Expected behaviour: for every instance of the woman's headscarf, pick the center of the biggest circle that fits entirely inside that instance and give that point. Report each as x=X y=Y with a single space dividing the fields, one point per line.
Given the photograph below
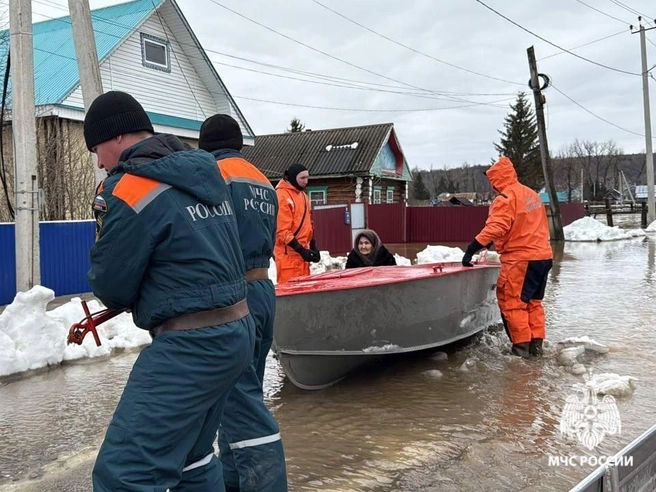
x=368 y=260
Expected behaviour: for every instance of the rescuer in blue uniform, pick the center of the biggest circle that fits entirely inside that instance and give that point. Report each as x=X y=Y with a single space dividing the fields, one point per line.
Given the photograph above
x=168 y=249
x=249 y=438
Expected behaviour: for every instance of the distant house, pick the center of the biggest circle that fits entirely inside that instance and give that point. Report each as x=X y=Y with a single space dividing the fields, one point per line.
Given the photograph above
x=146 y=48
x=562 y=196
x=347 y=165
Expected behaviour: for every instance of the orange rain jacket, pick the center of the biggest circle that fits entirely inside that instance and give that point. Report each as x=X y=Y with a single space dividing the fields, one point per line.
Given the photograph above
x=294 y=221
x=517 y=223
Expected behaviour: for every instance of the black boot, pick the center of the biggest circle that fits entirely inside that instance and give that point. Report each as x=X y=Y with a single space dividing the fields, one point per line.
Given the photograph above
x=535 y=348
x=521 y=349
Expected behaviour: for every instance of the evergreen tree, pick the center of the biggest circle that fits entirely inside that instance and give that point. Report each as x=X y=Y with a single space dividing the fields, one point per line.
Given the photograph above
x=519 y=142
x=296 y=125
x=419 y=189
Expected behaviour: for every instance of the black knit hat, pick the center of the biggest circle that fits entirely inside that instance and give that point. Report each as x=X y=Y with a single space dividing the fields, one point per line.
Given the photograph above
x=292 y=173
x=112 y=114
x=220 y=131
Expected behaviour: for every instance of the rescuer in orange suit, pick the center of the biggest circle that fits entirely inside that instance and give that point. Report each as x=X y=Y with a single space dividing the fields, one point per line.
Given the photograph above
x=295 y=245
x=517 y=225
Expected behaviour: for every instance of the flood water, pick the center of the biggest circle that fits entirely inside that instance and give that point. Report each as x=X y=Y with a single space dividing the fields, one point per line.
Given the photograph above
x=395 y=426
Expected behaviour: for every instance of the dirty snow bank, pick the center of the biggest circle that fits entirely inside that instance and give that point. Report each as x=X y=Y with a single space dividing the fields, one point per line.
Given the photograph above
x=33 y=338
x=589 y=229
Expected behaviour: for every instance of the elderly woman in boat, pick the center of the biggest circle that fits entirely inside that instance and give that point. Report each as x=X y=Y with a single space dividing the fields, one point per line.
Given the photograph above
x=368 y=250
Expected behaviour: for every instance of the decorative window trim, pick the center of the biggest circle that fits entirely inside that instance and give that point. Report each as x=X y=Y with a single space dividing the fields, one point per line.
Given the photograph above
x=159 y=41
x=390 y=191
x=318 y=189
x=377 y=200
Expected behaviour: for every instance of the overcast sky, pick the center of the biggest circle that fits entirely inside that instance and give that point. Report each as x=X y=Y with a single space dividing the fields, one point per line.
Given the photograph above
x=458 y=32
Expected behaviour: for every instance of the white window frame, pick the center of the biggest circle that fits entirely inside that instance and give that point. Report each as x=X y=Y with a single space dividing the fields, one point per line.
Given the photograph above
x=389 y=196
x=378 y=196
x=147 y=38
x=318 y=201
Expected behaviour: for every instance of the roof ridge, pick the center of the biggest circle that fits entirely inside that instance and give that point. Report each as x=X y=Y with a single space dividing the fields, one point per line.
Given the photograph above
x=325 y=130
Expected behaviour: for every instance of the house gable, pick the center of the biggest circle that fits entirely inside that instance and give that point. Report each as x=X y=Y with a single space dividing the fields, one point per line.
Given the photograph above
x=189 y=91
x=390 y=162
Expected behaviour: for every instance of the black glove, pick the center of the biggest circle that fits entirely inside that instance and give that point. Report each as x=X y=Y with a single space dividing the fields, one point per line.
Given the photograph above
x=313 y=245
x=307 y=254
x=310 y=256
x=472 y=249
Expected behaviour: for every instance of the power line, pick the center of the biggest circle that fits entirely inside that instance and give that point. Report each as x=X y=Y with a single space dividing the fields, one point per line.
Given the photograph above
x=602 y=12
x=423 y=96
x=630 y=9
x=623 y=31
x=338 y=85
x=595 y=115
x=554 y=44
x=414 y=110
x=323 y=52
x=277 y=67
x=410 y=48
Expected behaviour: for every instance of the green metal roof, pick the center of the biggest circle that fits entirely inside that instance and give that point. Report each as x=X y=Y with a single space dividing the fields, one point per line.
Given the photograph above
x=55 y=66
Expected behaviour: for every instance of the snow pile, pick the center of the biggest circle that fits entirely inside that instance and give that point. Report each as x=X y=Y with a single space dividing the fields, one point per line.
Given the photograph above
x=446 y=254
x=651 y=227
x=402 y=260
x=328 y=263
x=611 y=384
x=31 y=338
x=439 y=254
x=586 y=342
x=589 y=229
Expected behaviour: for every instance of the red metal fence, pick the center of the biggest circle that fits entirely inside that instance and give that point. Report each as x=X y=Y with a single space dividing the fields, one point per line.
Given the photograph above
x=389 y=221
x=570 y=212
x=331 y=232
x=396 y=223
x=445 y=224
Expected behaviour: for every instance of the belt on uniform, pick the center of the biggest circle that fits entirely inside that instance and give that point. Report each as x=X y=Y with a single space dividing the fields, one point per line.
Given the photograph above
x=203 y=319
x=257 y=274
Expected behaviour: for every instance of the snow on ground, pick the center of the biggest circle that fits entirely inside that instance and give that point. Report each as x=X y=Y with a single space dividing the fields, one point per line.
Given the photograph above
x=589 y=229
x=32 y=338
x=651 y=227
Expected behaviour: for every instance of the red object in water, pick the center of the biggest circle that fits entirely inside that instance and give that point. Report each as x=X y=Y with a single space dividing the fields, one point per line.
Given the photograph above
x=88 y=324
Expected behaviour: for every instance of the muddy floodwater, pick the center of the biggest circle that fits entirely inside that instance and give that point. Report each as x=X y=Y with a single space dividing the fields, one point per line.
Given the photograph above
x=412 y=424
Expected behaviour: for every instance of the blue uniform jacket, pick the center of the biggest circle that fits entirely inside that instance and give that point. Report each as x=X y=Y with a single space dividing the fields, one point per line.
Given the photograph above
x=168 y=242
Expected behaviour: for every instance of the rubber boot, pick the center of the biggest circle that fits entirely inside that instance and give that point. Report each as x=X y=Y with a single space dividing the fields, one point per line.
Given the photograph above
x=535 y=347
x=521 y=349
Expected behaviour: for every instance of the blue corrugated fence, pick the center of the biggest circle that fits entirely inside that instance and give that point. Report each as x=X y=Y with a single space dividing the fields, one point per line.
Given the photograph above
x=64 y=257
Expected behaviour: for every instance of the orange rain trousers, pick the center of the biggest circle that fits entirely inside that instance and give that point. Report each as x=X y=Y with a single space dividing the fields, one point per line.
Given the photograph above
x=520 y=290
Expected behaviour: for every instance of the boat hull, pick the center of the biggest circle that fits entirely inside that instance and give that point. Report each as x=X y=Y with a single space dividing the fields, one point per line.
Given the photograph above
x=321 y=336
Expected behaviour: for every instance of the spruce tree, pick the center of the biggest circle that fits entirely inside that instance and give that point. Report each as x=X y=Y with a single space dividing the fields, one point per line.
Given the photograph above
x=419 y=189
x=296 y=125
x=519 y=142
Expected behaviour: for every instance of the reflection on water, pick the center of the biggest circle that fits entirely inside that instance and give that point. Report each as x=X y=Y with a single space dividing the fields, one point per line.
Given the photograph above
x=400 y=425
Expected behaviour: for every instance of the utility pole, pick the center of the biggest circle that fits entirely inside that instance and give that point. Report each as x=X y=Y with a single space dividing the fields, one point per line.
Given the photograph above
x=87 y=61
x=26 y=183
x=539 y=99
x=651 y=212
